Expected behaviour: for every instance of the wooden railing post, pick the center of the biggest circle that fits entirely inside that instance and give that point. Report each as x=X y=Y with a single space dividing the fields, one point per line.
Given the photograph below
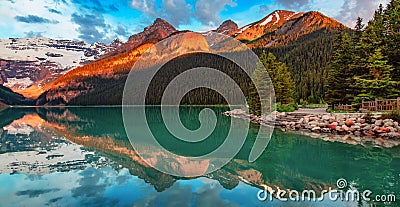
x=376 y=105
x=387 y=105
x=398 y=103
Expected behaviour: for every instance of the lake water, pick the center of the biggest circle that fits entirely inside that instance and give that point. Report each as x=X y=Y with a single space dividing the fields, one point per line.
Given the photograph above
x=82 y=157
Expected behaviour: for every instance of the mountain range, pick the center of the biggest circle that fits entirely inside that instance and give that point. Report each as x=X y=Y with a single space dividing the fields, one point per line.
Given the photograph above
x=29 y=63
x=75 y=73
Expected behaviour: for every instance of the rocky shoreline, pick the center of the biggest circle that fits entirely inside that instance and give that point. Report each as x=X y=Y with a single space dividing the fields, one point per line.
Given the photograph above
x=346 y=128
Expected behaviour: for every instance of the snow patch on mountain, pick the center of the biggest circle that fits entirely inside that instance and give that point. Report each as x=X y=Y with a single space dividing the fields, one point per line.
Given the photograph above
x=244 y=29
x=20 y=83
x=266 y=21
x=277 y=18
x=30 y=61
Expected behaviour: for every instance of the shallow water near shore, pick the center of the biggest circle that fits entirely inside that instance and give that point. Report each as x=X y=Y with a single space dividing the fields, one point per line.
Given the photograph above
x=82 y=157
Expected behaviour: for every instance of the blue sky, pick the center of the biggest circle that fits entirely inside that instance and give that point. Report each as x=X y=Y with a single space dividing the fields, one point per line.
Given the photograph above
x=103 y=21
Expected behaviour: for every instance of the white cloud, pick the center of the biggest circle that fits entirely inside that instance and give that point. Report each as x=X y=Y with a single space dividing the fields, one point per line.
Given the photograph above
x=295 y=4
x=65 y=28
x=60 y=14
x=176 y=12
x=345 y=11
x=351 y=9
x=207 y=12
x=148 y=7
x=179 y=12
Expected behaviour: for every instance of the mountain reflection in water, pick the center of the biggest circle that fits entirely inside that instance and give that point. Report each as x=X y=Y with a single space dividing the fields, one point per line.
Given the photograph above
x=82 y=156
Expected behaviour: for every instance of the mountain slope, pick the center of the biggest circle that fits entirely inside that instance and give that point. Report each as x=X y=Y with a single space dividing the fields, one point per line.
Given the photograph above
x=159 y=30
x=307 y=58
x=102 y=82
x=29 y=63
x=282 y=27
x=227 y=27
x=298 y=26
x=8 y=97
x=98 y=77
x=268 y=24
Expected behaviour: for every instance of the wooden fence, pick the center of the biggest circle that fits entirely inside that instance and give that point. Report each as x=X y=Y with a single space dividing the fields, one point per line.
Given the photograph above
x=377 y=105
x=381 y=105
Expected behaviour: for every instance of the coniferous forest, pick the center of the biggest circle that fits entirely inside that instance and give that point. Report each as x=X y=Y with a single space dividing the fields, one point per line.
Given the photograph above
x=307 y=60
x=365 y=63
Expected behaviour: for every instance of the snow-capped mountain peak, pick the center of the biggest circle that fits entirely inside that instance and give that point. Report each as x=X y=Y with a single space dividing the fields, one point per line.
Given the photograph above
x=26 y=62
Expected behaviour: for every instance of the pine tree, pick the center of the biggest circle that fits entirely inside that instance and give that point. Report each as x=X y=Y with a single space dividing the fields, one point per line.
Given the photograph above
x=339 y=78
x=280 y=78
x=357 y=66
x=253 y=100
x=358 y=30
x=378 y=82
x=392 y=23
x=260 y=92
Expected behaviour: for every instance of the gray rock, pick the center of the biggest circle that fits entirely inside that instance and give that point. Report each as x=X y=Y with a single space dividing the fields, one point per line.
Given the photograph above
x=392 y=129
x=389 y=124
x=367 y=128
x=326 y=130
x=387 y=120
x=345 y=128
x=326 y=117
x=322 y=125
x=316 y=129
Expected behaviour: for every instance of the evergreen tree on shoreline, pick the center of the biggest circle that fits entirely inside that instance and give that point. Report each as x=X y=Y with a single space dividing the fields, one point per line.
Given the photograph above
x=366 y=65
x=282 y=84
x=338 y=84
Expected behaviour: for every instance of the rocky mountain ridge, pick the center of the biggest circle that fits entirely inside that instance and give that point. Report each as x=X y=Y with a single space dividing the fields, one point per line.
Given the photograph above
x=33 y=62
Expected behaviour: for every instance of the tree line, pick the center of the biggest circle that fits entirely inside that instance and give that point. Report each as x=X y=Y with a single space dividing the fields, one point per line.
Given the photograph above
x=365 y=62
x=307 y=59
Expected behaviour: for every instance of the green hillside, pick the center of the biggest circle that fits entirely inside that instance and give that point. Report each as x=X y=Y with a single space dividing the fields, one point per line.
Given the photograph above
x=8 y=97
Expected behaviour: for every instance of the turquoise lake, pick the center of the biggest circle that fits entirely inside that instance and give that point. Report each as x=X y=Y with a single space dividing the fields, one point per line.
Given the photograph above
x=81 y=156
